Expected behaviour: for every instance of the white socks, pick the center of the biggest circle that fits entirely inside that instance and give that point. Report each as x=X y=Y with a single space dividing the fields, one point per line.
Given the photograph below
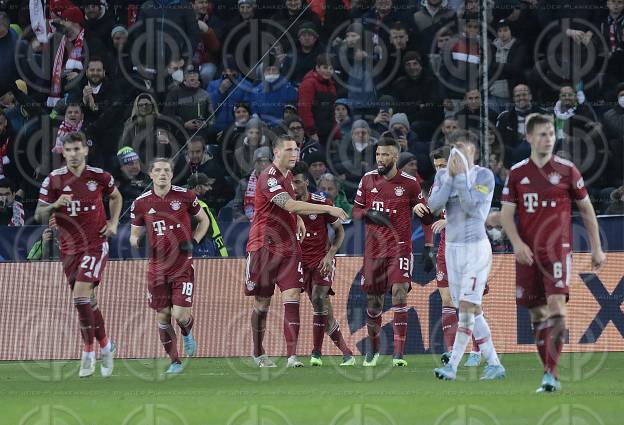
x=483 y=337
x=464 y=334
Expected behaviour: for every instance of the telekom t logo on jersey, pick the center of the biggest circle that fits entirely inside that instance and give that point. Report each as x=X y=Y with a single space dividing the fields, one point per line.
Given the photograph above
x=530 y=202
x=378 y=206
x=159 y=227
x=73 y=208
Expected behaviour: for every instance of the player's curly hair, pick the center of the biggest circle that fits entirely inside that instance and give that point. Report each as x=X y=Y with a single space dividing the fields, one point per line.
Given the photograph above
x=300 y=168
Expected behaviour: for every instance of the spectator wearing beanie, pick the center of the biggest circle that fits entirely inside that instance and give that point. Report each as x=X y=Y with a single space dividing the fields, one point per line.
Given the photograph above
x=416 y=94
x=271 y=95
x=294 y=12
x=243 y=154
x=342 y=116
x=241 y=112
x=303 y=59
x=317 y=166
x=131 y=180
x=409 y=164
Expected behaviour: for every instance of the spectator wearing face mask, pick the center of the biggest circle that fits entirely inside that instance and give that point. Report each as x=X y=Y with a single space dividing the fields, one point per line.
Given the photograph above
x=190 y=105
x=271 y=95
x=11 y=207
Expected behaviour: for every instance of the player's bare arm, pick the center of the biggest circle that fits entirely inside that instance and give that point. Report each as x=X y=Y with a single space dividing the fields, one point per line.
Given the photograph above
x=301 y=229
x=326 y=264
x=285 y=201
x=203 y=223
x=522 y=251
x=135 y=235
x=43 y=210
x=588 y=215
x=115 y=202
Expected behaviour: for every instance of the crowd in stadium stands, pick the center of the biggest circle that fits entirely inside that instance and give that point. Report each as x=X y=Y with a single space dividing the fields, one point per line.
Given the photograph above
x=177 y=78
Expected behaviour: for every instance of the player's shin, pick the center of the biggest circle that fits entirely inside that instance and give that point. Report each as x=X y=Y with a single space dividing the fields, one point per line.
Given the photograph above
x=483 y=337
x=333 y=330
x=258 y=326
x=541 y=335
x=100 y=328
x=462 y=338
x=87 y=326
x=291 y=326
x=186 y=326
x=319 y=322
x=373 y=324
x=399 y=326
x=168 y=340
x=555 y=342
x=449 y=326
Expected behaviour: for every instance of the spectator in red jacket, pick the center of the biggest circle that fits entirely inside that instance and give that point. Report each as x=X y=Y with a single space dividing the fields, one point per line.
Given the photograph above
x=317 y=94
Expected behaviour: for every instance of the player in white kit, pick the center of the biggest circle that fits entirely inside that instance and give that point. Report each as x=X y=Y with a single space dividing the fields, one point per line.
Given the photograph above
x=466 y=191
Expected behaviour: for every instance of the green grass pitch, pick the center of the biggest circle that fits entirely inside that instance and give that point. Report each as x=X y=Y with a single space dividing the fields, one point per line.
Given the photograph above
x=231 y=392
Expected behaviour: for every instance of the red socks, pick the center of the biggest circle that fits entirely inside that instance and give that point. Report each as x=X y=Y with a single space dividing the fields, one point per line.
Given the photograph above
x=449 y=326
x=291 y=326
x=336 y=337
x=541 y=334
x=85 y=316
x=99 y=328
x=185 y=328
x=258 y=325
x=555 y=343
x=319 y=322
x=373 y=323
x=399 y=326
x=168 y=340
x=475 y=346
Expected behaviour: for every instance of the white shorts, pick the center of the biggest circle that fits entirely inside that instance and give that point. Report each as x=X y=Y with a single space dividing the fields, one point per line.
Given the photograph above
x=468 y=266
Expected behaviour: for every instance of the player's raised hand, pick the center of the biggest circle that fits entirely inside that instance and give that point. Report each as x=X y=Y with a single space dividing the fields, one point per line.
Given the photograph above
x=338 y=213
x=599 y=258
x=109 y=229
x=326 y=265
x=62 y=201
x=523 y=253
x=438 y=226
x=455 y=166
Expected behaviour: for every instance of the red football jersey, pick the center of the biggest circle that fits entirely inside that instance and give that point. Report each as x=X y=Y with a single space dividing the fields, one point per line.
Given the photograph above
x=80 y=222
x=397 y=197
x=168 y=222
x=273 y=227
x=316 y=242
x=543 y=198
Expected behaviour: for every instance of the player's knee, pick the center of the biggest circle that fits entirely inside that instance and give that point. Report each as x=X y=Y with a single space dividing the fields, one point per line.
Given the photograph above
x=445 y=295
x=262 y=303
x=332 y=324
x=181 y=314
x=375 y=304
x=164 y=316
x=467 y=307
x=557 y=305
x=539 y=314
x=466 y=319
x=291 y=295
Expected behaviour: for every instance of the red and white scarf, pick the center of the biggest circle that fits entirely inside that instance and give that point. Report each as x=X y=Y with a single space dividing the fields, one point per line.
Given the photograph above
x=250 y=196
x=73 y=62
x=64 y=129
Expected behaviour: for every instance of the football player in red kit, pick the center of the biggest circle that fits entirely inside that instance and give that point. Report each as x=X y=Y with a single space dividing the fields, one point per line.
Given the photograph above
x=273 y=252
x=386 y=199
x=165 y=213
x=541 y=189
x=73 y=194
x=317 y=257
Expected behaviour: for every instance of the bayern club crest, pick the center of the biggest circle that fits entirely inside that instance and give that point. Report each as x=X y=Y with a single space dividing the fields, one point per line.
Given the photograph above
x=92 y=185
x=399 y=191
x=440 y=276
x=313 y=216
x=272 y=182
x=175 y=205
x=554 y=178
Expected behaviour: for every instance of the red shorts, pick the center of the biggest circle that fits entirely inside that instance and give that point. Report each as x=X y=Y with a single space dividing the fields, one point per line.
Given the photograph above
x=381 y=273
x=264 y=270
x=312 y=276
x=86 y=266
x=545 y=277
x=168 y=290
